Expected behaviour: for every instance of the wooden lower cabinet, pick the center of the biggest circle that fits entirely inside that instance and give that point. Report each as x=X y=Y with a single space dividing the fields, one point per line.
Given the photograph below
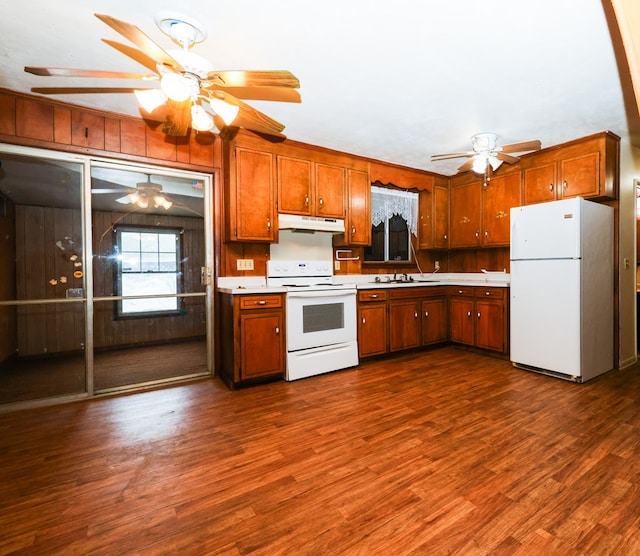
x=478 y=317
x=434 y=321
x=404 y=324
x=372 y=322
x=252 y=338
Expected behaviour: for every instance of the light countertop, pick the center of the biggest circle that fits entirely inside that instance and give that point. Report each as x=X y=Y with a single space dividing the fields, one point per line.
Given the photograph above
x=242 y=285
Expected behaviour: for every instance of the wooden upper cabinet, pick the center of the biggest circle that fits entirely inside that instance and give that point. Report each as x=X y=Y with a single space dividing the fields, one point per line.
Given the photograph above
x=310 y=188
x=358 y=223
x=330 y=195
x=87 y=129
x=466 y=211
x=251 y=196
x=433 y=220
x=500 y=194
x=585 y=167
x=295 y=177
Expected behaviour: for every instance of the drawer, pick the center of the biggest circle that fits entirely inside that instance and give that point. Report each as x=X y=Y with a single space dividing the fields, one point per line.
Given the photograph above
x=490 y=293
x=372 y=295
x=260 y=301
x=461 y=291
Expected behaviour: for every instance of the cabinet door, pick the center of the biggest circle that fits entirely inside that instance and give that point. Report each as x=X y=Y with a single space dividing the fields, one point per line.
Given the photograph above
x=404 y=325
x=580 y=176
x=441 y=217
x=358 y=226
x=425 y=219
x=490 y=325
x=539 y=184
x=465 y=215
x=462 y=320
x=434 y=321
x=500 y=194
x=372 y=329
x=254 y=196
x=262 y=344
x=330 y=191
x=294 y=185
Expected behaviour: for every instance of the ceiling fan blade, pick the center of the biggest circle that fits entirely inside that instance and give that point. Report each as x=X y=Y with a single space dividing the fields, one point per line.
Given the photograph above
x=134 y=54
x=278 y=94
x=137 y=37
x=250 y=118
x=248 y=78
x=450 y=155
x=85 y=90
x=466 y=166
x=534 y=145
x=72 y=72
x=178 y=117
x=507 y=158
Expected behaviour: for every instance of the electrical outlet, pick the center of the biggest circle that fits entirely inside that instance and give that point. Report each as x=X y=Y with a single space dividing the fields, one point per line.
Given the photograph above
x=336 y=265
x=244 y=264
x=437 y=265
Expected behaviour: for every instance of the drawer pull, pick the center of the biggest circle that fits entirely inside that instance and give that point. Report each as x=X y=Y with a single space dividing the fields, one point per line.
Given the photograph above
x=261 y=302
x=373 y=296
x=487 y=293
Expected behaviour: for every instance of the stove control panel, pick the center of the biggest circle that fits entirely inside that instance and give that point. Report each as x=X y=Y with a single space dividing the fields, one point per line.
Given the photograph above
x=295 y=269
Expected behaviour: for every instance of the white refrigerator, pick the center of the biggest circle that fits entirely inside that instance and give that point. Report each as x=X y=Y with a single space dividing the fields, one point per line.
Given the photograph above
x=561 y=291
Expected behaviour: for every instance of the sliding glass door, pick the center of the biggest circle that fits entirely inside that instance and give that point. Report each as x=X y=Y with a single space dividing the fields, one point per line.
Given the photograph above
x=101 y=276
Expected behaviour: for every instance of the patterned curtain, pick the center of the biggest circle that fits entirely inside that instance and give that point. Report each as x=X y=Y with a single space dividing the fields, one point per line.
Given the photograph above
x=387 y=202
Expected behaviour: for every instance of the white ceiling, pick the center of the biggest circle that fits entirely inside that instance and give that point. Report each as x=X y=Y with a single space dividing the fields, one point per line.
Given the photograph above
x=397 y=81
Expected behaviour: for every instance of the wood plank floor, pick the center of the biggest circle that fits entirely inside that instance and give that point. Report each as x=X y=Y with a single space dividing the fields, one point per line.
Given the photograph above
x=443 y=452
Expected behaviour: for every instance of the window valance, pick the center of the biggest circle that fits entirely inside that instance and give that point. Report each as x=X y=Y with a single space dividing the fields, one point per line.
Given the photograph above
x=385 y=203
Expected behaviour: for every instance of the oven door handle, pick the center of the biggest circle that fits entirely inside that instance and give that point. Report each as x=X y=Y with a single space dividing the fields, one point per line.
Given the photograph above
x=322 y=293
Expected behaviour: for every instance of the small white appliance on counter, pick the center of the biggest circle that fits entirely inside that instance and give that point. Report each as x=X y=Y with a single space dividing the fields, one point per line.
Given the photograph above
x=321 y=324
x=562 y=288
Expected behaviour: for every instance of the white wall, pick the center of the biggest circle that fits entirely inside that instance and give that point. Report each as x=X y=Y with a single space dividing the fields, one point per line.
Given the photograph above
x=629 y=172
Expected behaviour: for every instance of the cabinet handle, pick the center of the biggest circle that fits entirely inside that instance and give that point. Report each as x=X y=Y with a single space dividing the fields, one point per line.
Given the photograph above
x=321 y=202
x=486 y=233
x=444 y=237
x=306 y=200
x=478 y=314
x=415 y=315
x=564 y=184
x=261 y=302
x=353 y=230
x=277 y=330
x=426 y=314
x=487 y=293
x=268 y=223
x=373 y=296
x=477 y=235
x=550 y=187
x=460 y=292
x=469 y=314
x=364 y=321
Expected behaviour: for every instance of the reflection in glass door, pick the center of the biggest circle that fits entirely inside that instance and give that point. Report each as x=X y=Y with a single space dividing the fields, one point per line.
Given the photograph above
x=100 y=276
x=42 y=301
x=149 y=304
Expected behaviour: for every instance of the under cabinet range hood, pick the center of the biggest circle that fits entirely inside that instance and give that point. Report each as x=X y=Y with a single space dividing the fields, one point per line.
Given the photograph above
x=310 y=224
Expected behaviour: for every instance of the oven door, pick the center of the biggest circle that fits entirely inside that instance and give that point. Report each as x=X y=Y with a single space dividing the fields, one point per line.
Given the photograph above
x=320 y=318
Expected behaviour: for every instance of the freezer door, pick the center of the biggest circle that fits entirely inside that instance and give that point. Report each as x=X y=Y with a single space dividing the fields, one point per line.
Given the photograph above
x=545 y=315
x=546 y=231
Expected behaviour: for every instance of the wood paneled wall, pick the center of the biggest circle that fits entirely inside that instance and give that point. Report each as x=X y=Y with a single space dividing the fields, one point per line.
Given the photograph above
x=39 y=260
x=8 y=342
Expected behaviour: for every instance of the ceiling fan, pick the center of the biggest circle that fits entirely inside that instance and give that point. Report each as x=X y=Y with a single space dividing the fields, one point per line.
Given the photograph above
x=486 y=155
x=192 y=91
x=146 y=194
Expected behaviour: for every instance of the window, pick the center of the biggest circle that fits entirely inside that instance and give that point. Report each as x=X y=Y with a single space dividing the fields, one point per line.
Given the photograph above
x=148 y=264
x=394 y=217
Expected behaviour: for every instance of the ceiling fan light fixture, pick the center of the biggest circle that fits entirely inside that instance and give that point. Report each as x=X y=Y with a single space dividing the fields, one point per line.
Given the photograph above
x=162 y=201
x=226 y=111
x=200 y=120
x=176 y=87
x=479 y=164
x=150 y=99
x=495 y=162
x=182 y=29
